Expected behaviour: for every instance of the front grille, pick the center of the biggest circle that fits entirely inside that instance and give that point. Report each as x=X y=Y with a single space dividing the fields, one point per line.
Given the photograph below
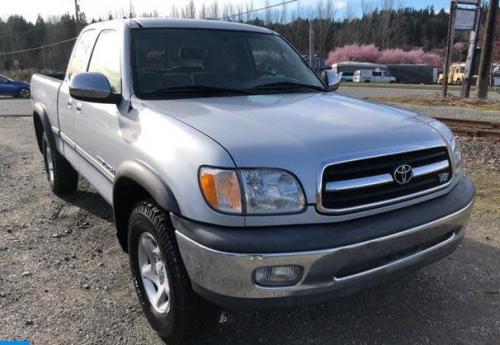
x=370 y=182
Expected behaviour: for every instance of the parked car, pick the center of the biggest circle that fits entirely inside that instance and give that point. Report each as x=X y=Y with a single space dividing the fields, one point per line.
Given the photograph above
x=347 y=68
x=372 y=76
x=346 y=76
x=9 y=87
x=237 y=177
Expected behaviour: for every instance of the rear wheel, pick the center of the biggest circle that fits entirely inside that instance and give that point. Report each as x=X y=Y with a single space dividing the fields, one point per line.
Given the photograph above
x=173 y=310
x=63 y=179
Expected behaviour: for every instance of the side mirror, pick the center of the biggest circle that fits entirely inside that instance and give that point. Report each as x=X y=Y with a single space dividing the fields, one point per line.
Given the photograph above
x=331 y=78
x=92 y=87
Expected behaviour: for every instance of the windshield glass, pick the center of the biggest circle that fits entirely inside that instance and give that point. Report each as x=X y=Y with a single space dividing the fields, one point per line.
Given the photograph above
x=177 y=63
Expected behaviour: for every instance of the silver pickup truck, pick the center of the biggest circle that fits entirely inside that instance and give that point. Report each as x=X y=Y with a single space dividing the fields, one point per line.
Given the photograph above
x=237 y=176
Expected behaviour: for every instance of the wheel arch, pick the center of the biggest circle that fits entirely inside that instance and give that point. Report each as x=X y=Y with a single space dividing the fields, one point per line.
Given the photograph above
x=135 y=181
x=42 y=124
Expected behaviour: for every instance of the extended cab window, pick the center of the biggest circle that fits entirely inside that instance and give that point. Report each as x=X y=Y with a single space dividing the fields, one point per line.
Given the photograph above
x=106 y=58
x=179 y=63
x=81 y=53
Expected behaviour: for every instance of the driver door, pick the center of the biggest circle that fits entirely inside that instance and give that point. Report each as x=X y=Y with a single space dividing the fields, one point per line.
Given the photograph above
x=97 y=128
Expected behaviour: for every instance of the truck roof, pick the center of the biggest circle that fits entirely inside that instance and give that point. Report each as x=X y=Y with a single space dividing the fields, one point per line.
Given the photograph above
x=182 y=23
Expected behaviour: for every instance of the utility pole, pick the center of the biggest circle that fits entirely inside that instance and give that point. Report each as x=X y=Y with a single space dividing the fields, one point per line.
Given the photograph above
x=311 y=44
x=77 y=17
x=11 y=46
x=471 y=56
x=449 y=46
x=483 y=78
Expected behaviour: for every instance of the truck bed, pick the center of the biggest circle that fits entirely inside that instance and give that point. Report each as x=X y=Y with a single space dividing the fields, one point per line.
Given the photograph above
x=45 y=93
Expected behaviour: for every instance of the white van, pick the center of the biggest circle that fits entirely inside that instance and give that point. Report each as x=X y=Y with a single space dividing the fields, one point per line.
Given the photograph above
x=371 y=76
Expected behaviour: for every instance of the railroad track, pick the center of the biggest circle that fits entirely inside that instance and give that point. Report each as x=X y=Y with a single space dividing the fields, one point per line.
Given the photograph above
x=480 y=130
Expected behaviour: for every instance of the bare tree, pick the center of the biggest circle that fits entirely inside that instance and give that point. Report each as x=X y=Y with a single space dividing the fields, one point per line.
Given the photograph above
x=214 y=10
x=350 y=12
x=189 y=11
x=267 y=13
x=325 y=17
x=203 y=11
x=248 y=10
x=174 y=12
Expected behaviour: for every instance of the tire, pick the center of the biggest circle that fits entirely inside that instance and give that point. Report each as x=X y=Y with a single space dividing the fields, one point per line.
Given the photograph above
x=63 y=179
x=179 y=313
x=23 y=93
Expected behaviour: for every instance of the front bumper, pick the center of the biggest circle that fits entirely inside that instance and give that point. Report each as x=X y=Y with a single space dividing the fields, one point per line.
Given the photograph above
x=225 y=276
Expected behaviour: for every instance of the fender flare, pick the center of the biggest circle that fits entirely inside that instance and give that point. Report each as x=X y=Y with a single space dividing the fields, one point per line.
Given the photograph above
x=144 y=176
x=40 y=113
x=129 y=175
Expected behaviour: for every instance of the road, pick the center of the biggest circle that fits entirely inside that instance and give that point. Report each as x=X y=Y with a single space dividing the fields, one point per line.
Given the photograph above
x=14 y=106
x=64 y=279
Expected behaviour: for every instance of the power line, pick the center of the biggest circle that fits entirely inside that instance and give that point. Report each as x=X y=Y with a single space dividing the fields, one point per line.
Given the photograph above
x=37 y=48
x=258 y=9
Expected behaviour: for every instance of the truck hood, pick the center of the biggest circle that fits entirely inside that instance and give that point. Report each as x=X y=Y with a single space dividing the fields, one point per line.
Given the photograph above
x=300 y=132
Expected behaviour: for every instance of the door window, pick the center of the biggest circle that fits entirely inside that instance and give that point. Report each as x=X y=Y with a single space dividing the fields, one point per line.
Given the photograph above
x=106 y=59
x=81 y=53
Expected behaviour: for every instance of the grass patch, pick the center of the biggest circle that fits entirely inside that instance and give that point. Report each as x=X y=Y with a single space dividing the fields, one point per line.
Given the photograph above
x=488 y=191
x=432 y=87
x=434 y=101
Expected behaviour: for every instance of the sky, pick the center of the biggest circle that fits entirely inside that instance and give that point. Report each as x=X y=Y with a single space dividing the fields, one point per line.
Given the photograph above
x=101 y=8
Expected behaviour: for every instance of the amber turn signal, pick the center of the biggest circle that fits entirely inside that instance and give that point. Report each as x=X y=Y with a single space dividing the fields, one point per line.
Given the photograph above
x=221 y=189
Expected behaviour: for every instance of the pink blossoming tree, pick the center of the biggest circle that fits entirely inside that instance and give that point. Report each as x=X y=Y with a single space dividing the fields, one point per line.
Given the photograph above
x=370 y=53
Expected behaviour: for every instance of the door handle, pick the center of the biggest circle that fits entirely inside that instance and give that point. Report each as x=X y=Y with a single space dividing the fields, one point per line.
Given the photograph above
x=78 y=107
x=69 y=103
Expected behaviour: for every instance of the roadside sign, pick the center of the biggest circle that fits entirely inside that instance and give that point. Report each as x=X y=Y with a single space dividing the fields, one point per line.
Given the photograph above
x=468 y=2
x=465 y=19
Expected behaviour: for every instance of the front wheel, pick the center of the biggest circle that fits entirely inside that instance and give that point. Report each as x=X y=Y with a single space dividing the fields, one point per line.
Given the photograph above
x=173 y=310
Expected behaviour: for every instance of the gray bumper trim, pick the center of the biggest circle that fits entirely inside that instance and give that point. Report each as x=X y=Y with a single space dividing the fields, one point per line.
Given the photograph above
x=230 y=274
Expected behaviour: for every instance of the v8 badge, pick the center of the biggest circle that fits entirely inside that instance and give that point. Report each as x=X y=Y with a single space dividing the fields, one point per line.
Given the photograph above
x=443 y=177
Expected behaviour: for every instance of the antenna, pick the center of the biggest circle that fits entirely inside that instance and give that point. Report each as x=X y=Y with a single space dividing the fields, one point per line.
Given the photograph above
x=130 y=9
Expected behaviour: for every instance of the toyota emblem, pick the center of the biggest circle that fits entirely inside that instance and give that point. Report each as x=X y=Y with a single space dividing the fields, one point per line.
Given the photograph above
x=403 y=174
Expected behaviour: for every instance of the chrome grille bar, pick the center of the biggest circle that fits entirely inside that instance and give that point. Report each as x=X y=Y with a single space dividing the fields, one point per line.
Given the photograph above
x=430 y=168
x=376 y=180
x=362 y=182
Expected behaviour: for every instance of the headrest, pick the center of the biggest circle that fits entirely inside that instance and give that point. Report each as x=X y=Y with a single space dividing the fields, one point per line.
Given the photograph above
x=191 y=53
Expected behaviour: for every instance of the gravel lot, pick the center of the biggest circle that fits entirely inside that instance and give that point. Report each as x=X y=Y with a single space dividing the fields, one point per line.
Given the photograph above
x=64 y=279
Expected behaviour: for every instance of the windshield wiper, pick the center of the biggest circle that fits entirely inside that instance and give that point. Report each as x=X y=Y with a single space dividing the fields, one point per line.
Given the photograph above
x=197 y=89
x=288 y=85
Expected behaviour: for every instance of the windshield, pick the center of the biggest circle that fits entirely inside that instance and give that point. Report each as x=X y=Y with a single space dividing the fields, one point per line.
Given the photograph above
x=178 y=63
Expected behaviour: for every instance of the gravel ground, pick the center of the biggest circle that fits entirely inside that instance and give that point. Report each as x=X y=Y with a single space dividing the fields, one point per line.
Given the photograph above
x=64 y=279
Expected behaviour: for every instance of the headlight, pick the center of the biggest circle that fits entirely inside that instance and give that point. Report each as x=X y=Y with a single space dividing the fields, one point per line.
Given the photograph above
x=264 y=191
x=271 y=191
x=456 y=150
x=451 y=140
